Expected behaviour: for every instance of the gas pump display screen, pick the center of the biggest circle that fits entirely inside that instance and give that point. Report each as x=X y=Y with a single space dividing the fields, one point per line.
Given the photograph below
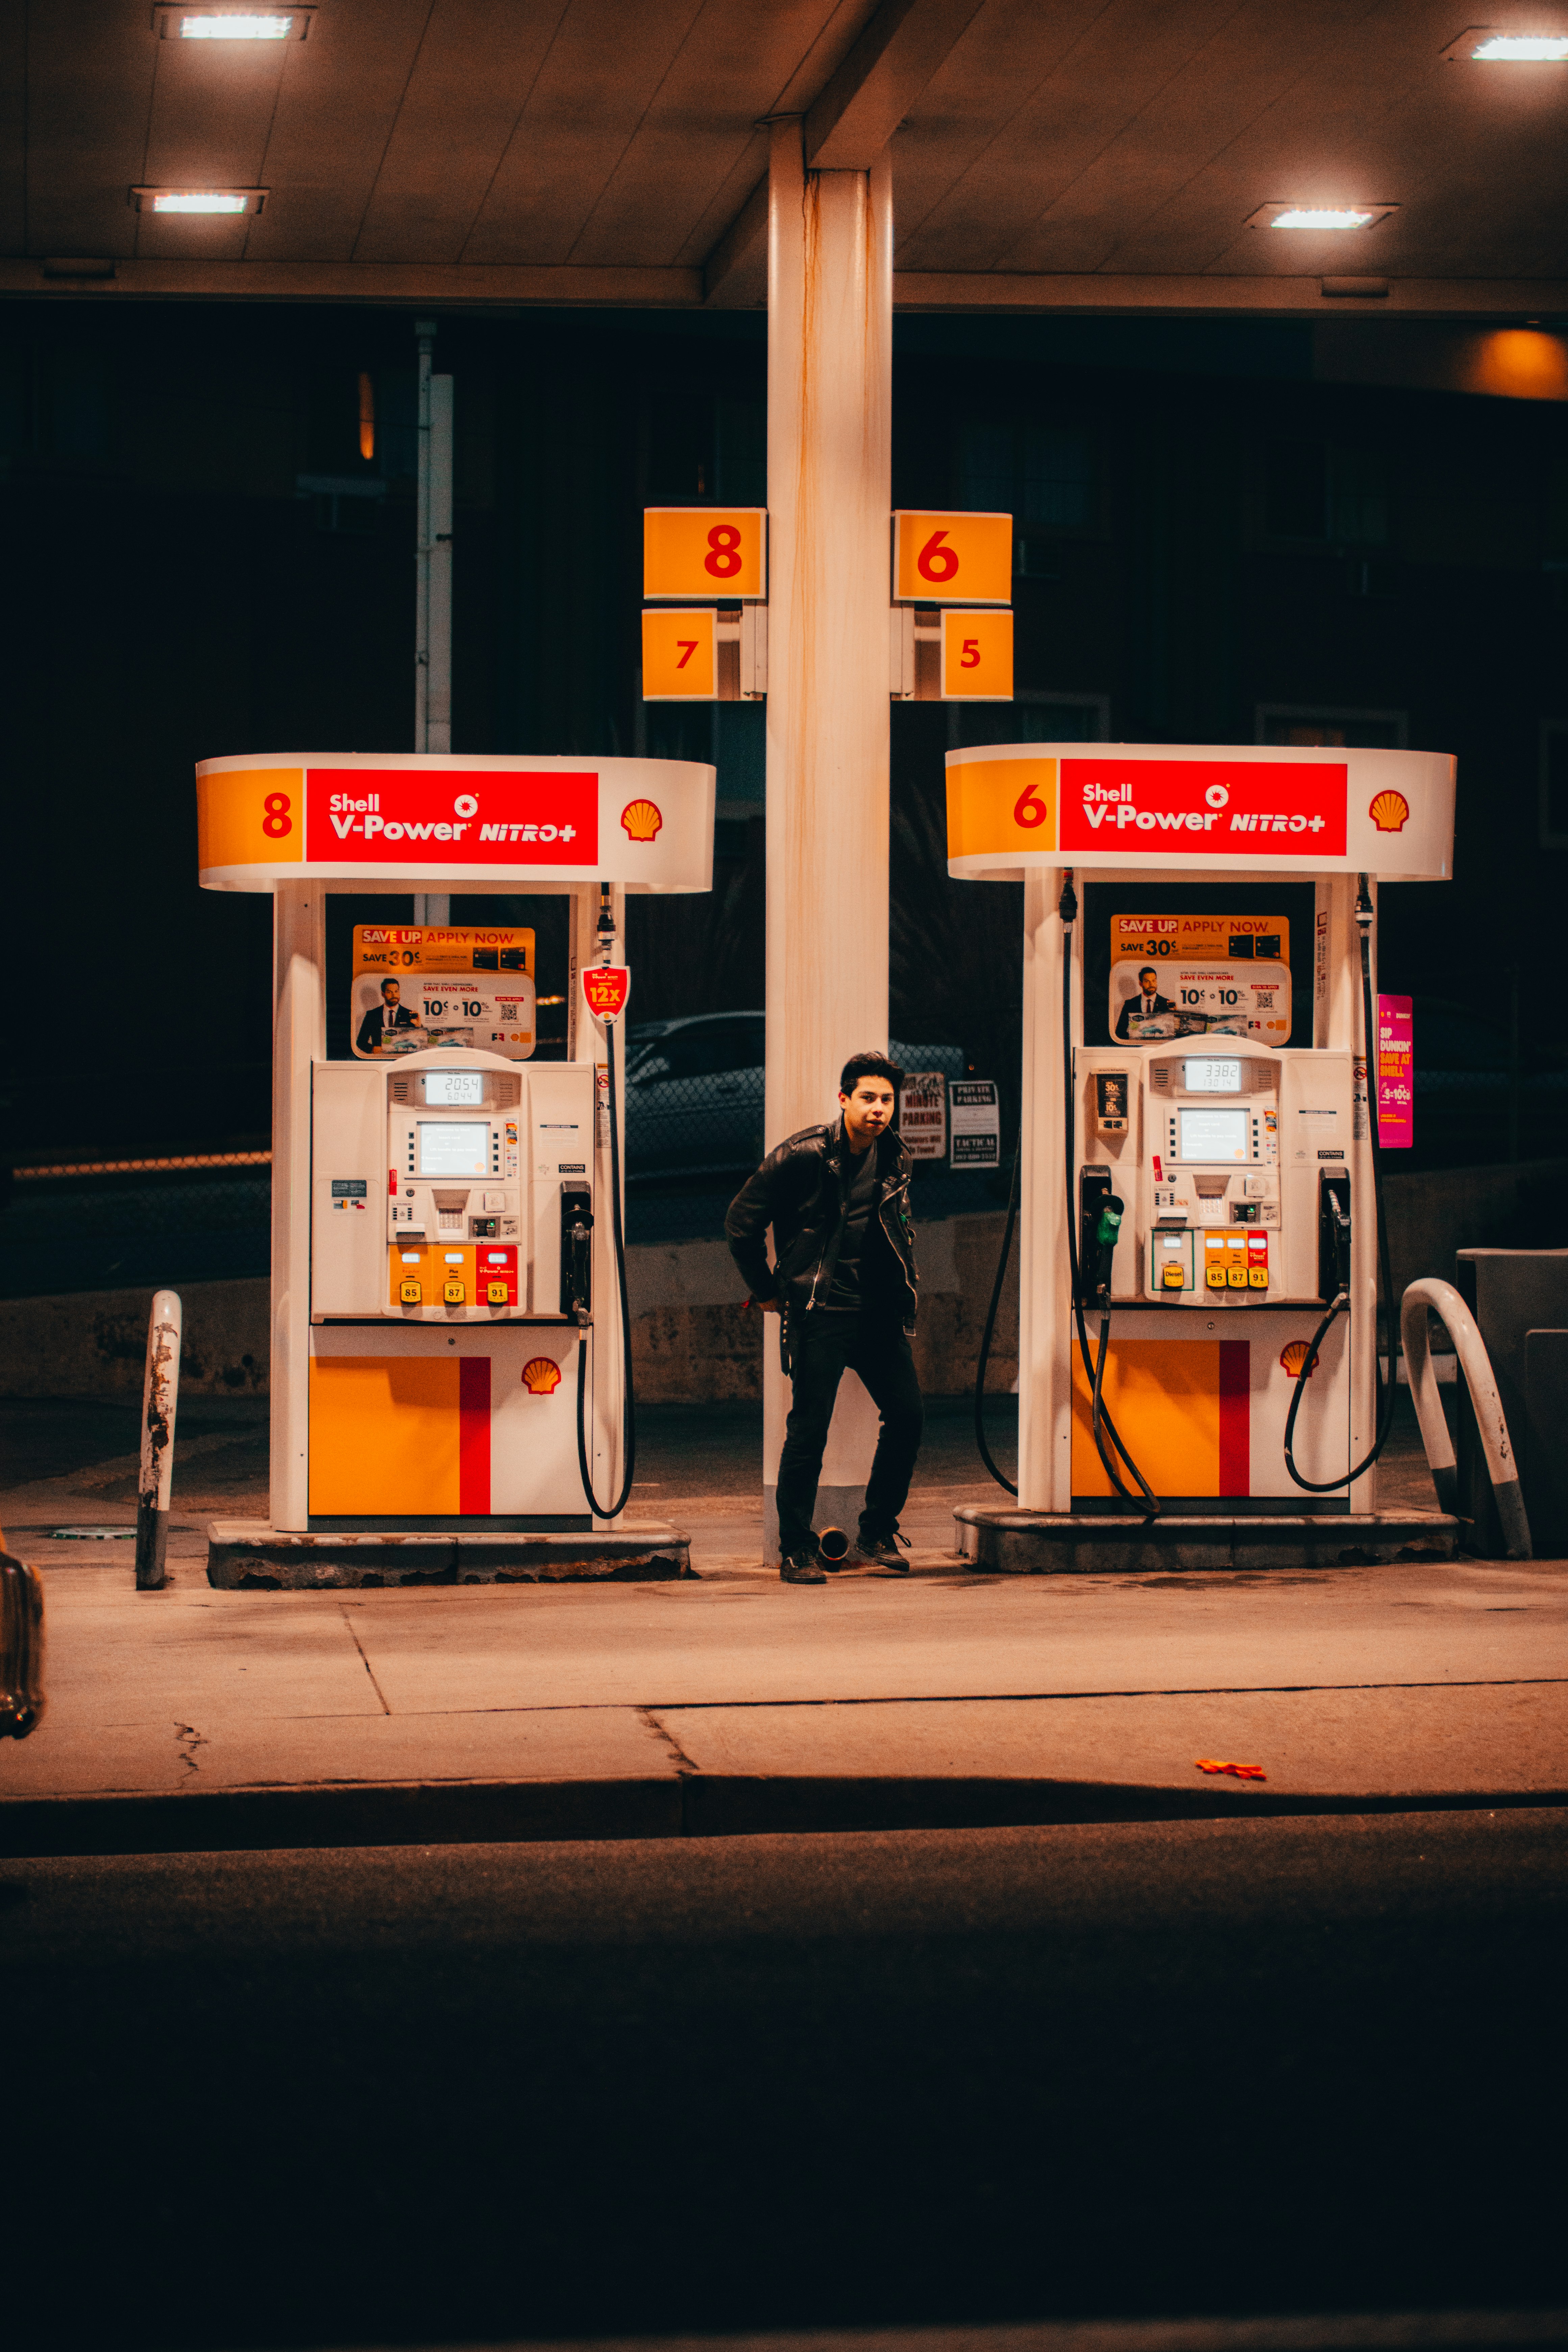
x=1213 y=1134
x=454 y=1147
x=454 y=1086
x=1212 y=1077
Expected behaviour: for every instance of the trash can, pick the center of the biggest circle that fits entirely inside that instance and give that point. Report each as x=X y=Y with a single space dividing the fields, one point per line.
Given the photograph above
x=1519 y=1300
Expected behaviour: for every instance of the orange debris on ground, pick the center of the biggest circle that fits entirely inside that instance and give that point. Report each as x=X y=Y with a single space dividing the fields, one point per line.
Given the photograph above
x=1236 y=1771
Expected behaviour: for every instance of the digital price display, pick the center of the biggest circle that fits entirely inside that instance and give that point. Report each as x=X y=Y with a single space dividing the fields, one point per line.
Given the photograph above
x=1212 y=1077
x=455 y=1087
x=454 y=1147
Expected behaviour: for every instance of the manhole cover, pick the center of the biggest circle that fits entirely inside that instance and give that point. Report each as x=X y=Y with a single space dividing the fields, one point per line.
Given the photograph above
x=92 y=1535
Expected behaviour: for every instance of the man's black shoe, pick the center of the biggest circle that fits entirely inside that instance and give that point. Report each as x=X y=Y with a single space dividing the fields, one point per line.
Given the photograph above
x=880 y=1551
x=800 y=1567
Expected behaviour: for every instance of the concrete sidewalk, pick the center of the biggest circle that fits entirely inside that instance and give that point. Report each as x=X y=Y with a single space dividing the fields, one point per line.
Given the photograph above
x=194 y=1718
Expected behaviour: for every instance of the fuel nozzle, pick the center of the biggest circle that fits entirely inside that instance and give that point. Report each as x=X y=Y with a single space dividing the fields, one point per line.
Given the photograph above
x=1107 y=1231
x=1100 y=1213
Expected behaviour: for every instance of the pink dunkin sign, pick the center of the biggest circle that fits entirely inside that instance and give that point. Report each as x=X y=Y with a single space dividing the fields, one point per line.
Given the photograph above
x=1395 y=1074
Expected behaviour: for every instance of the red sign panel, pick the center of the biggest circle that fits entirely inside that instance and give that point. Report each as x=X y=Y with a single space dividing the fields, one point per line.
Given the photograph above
x=476 y=816
x=606 y=987
x=1203 y=808
x=1395 y=1074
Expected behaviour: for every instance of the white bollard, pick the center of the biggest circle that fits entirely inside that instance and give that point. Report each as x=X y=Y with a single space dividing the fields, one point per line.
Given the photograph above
x=160 y=1397
x=1502 y=1462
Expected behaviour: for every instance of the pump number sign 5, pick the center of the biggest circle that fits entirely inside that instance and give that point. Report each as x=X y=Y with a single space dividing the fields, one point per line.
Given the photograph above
x=977 y=656
x=715 y=554
x=952 y=559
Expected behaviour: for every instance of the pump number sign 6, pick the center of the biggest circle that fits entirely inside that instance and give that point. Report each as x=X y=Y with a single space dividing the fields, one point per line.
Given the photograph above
x=952 y=559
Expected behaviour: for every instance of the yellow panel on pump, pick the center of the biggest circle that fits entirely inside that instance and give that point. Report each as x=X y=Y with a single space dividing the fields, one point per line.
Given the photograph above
x=385 y=1435
x=1182 y=1407
x=995 y=806
x=249 y=816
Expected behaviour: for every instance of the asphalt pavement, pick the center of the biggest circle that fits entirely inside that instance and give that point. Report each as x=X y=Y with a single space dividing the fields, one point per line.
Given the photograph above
x=495 y=2092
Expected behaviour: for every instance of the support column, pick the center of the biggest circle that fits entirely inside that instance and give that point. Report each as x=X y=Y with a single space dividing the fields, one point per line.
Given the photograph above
x=299 y=1039
x=1044 y=1318
x=830 y=252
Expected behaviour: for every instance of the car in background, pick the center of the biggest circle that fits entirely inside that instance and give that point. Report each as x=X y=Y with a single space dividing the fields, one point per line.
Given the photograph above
x=694 y=1092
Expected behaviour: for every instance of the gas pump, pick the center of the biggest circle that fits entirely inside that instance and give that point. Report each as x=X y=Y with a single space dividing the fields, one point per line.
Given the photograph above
x=1199 y=1148
x=451 y=1333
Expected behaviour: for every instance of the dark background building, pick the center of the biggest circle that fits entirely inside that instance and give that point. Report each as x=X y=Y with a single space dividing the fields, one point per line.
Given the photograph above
x=209 y=514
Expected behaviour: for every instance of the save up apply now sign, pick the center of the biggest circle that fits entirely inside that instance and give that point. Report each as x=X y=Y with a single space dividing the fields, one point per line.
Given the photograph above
x=1012 y=807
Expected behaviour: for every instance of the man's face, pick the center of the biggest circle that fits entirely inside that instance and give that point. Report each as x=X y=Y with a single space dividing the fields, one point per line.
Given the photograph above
x=1148 y=981
x=867 y=1110
x=389 y=993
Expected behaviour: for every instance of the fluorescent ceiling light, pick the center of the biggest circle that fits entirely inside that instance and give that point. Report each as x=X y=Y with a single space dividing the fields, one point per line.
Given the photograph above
x=220 y=26
x=1522 y=49
x=239 y=23
x=196 y=200
x=1320 y=216
x=226 y=201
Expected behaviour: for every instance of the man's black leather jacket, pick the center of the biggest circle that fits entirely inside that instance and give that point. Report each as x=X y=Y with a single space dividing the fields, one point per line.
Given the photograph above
x=802 y=1190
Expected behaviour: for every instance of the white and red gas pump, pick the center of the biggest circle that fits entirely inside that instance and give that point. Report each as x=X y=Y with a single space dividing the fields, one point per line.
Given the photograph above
x=450 y=1359
x=1199 y=1199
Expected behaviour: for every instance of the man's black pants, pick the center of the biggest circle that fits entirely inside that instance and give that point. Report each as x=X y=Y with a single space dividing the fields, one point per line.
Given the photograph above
x=824 y=1346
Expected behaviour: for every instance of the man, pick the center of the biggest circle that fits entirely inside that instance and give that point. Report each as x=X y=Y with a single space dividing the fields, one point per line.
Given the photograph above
x=1143 y=1006
x=390 y=1013
x=843 y=1278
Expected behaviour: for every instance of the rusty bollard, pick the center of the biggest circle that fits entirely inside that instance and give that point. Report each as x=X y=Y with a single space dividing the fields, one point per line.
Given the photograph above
x=160 y=1396
x=21 y=1647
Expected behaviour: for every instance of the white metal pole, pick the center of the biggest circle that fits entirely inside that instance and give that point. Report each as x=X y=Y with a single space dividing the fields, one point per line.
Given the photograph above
x=830 y=255
x=1044 y=1318
x=439 y=571
x=299 y=1039
x=433 y=582
x=424 y=331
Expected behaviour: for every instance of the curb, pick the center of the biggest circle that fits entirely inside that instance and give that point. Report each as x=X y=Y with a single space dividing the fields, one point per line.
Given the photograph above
x=503 y=1813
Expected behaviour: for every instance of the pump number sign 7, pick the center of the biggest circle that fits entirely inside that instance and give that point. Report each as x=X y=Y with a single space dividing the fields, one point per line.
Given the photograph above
x=680 y=663
x=952 y=559
x=716 y=554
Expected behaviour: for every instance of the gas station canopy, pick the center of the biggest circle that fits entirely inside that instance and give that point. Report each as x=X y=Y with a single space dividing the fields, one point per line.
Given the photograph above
x=1057 y=154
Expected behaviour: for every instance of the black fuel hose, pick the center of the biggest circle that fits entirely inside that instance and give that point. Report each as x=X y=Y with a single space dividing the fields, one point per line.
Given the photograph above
x=1100 y=1424
x=1386 y=1388
x=1001 y=1479
x=611 y=1510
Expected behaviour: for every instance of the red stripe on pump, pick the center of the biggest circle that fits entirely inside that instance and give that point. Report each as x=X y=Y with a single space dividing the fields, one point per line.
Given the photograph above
x=474 y=1433
x=1234 y=1417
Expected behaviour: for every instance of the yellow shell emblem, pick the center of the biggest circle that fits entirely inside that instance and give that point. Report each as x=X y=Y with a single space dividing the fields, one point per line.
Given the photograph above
x=1390 y=812
x=641 y=819
x=1292 y=1356
x=540 y=1376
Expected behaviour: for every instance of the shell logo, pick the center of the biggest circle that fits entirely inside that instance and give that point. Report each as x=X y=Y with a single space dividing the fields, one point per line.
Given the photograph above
x=540 y=1376
x=641 y=820
x=1292 y=1356
x=1390 y=812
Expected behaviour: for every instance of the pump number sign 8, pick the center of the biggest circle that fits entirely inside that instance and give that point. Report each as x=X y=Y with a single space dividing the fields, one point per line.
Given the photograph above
x=952 y=559
x=714 y=554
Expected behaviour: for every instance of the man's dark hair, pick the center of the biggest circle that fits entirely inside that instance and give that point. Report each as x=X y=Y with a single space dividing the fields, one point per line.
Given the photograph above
x=869 y=1065
x=1149 y=968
